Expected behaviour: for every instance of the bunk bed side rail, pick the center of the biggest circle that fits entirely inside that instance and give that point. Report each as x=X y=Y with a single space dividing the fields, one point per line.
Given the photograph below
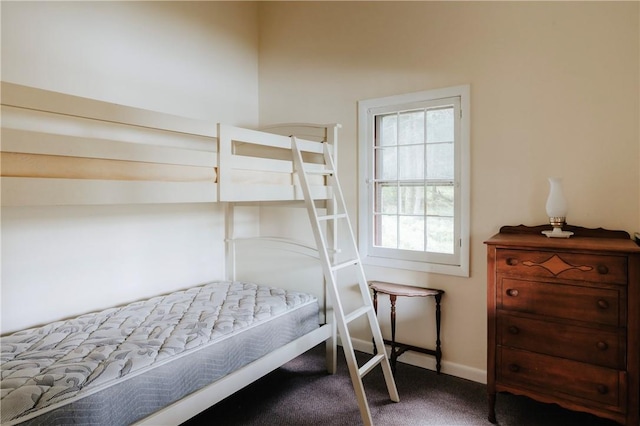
x=60 y=149
x=44 y=100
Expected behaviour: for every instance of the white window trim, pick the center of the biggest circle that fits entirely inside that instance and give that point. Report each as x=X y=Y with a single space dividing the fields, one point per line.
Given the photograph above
x=365 y=136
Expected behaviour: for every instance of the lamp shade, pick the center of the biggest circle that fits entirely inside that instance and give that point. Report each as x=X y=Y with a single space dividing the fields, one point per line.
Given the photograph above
x=556 y=203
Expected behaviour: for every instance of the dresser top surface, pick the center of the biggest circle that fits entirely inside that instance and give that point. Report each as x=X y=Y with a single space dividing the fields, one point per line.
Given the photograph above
x=529 y=240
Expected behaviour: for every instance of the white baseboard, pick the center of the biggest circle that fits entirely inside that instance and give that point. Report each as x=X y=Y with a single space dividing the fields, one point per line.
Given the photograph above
x=428 y=362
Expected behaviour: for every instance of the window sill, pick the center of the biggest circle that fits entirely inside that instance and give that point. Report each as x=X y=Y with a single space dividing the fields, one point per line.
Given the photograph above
x=456 y=270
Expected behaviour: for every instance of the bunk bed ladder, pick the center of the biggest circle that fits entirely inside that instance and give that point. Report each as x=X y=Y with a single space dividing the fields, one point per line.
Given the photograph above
x=324 y=229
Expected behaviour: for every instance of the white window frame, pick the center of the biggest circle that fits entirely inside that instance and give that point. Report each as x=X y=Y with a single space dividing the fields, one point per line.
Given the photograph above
x=457 y=264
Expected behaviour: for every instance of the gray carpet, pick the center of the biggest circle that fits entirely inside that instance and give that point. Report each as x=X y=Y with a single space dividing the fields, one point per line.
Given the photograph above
x=302 y=393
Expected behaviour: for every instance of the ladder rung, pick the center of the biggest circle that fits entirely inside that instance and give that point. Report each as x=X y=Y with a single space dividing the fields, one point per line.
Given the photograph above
x=370 y=364
x=343 y=265
x=320 y=172
x=333 y=216
x=357 y=313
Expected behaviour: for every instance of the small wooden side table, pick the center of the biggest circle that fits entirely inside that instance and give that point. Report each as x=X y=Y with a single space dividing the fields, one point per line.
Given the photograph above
x=395 y=290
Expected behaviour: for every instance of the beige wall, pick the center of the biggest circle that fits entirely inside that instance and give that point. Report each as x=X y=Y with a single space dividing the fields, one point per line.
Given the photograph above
x=554 y=92
x=196 y=59
x=192 y=59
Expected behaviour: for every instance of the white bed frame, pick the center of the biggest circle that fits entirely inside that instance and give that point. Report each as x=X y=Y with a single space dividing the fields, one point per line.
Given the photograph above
x=59 y=149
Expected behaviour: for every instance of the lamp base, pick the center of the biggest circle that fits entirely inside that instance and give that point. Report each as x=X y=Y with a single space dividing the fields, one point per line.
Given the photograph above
x=557 y=233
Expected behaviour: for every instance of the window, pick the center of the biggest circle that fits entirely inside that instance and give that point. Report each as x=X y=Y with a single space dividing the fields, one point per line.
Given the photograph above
x=414 y=181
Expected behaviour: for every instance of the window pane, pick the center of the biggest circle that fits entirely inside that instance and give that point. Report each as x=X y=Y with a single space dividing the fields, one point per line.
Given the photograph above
x=388 y=236
x=412 y=200
x=440 y=234
x=440 y=200
x=411 y=233
x=387 y=163
x=411 y=128
x=388 y=130
x=386 y=199
x=440 y=161
x=440 y=125
x=411 y=165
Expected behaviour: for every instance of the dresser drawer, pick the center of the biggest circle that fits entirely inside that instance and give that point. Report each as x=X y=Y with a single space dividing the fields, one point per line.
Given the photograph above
x=588 y=304
x=561 y=377
x=606 y=348
x=570 y=266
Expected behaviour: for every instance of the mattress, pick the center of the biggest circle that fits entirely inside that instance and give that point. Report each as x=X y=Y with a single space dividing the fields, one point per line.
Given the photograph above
x=118 y=366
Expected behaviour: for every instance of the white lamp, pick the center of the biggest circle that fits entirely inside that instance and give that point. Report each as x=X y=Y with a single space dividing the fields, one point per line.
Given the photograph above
x=556 y=209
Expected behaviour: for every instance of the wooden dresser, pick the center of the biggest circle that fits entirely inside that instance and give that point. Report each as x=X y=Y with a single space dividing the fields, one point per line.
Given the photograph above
x=564 y=320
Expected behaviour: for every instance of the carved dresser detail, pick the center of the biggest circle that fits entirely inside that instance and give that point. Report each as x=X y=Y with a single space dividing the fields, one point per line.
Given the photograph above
x=564 y=320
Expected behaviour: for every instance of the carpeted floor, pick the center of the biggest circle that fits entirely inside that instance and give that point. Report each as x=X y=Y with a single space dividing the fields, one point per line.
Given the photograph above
x=302 y=393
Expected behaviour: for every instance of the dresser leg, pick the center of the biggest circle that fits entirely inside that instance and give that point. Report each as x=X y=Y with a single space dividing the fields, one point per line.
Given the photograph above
x=492 y=407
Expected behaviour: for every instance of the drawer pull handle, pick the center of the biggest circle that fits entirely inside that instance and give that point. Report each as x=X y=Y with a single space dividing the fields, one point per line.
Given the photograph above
x=513 y=329
x=514 y=368
x=512 y=261
x=603 y=270
x=603 y=304
x=602 y=389
x=602 y=345
x=512 y=292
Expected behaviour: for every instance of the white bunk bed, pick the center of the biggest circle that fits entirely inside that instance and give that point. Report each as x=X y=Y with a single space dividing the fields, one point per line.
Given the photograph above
x=59 y=149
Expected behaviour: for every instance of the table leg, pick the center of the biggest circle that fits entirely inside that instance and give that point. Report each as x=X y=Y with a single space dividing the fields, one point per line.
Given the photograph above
x=394 y=354
x=375 y=309
x=438 y=297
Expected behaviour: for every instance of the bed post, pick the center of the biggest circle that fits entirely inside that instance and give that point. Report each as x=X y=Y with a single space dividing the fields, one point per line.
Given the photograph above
x=331 y=138
x=225 y=151
x=229 y=242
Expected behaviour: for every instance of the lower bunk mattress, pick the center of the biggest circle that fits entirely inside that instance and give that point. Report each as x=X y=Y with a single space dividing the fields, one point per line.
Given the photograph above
x=118 y=366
